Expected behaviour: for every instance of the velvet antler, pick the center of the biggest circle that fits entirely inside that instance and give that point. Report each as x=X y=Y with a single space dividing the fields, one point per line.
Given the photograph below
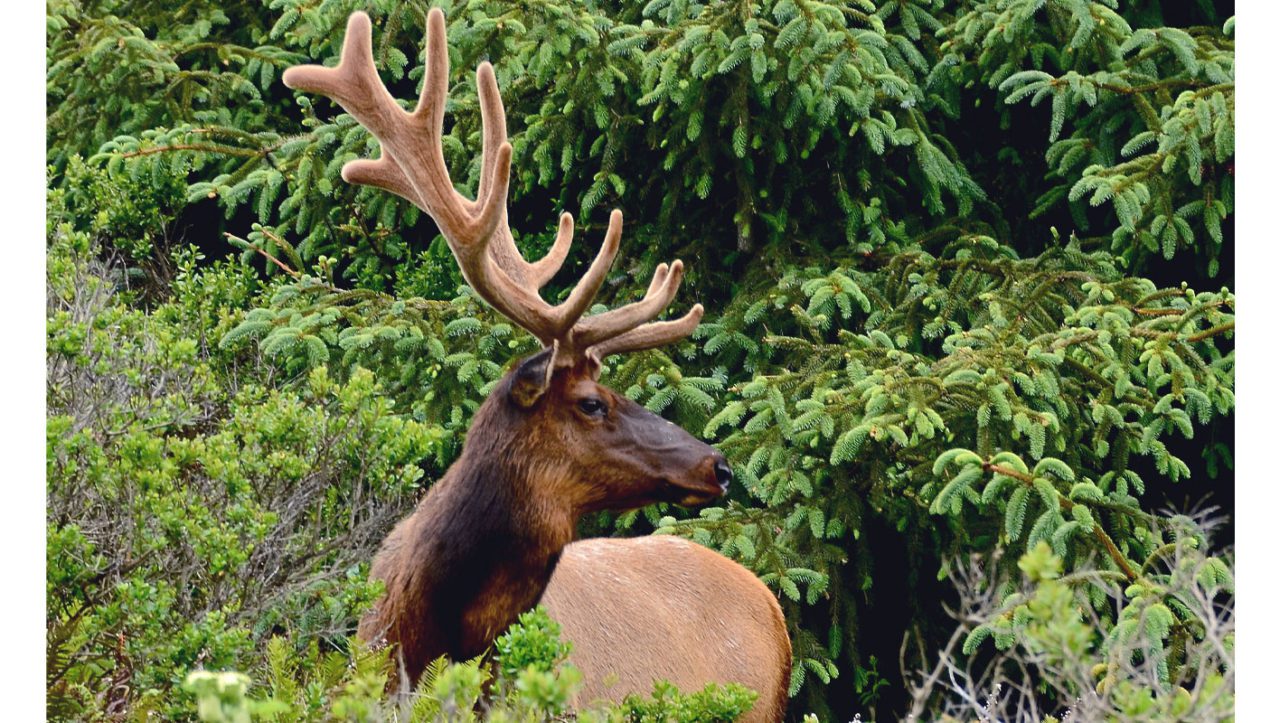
x=412 y=166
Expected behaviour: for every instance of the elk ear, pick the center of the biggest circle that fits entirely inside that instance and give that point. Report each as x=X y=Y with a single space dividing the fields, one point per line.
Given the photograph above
x=532 y=378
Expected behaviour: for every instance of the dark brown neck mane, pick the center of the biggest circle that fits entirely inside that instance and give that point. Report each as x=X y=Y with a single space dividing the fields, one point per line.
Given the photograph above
x=477 y=552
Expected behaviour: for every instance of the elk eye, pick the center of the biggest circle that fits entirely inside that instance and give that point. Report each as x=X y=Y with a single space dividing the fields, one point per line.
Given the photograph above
x=592 y=407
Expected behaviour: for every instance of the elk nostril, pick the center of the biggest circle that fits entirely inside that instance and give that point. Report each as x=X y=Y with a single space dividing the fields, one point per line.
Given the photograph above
x=724 y=474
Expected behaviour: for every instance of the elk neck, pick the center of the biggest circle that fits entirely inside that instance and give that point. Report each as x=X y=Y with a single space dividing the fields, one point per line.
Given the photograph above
x=479 y=550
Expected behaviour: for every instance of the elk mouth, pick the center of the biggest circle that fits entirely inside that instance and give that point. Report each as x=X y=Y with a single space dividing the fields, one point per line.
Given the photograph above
x=687 y=495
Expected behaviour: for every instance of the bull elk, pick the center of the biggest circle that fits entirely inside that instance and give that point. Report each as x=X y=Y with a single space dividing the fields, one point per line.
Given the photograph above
x=495 y=534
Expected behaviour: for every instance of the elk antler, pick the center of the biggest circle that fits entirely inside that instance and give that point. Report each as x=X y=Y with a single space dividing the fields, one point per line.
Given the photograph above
x=412 y=166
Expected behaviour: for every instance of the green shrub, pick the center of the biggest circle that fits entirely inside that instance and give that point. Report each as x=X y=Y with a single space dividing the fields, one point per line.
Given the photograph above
x=530 y=682
x=189 y=516
x=1167 y=655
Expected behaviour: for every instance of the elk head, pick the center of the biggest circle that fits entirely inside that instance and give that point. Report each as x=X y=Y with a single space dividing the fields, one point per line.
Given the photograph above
x=550 y=412
x=596 y=448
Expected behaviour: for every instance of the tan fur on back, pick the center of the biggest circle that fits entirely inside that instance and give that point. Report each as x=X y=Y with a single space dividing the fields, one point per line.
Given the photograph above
x=663 y=608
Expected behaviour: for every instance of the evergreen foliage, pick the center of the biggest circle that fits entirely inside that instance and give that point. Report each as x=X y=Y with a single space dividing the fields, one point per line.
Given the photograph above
x=1151 y=109
x=967 y=269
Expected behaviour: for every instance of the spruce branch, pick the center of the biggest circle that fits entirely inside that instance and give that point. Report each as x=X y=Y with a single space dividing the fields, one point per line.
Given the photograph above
x=1099 y=534
x=283 y=266
x=1211 y=332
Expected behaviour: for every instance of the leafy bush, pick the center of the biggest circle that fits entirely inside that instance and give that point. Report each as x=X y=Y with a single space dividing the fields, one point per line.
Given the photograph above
x=1153 y=664
x=531 y=683
x=192 y=508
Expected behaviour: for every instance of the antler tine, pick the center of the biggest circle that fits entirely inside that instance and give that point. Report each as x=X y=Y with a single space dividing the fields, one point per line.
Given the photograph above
x=649 y=336
x=545 y=268
x=354 y=81
x=585 y=292
x=662 y=289
x=659 y=278
x=435 y=79
x=380 y=173
x=493 y=119
x=355 y=85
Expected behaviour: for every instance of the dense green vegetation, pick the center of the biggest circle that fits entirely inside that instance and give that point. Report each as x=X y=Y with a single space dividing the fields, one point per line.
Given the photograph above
x=967 y=266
